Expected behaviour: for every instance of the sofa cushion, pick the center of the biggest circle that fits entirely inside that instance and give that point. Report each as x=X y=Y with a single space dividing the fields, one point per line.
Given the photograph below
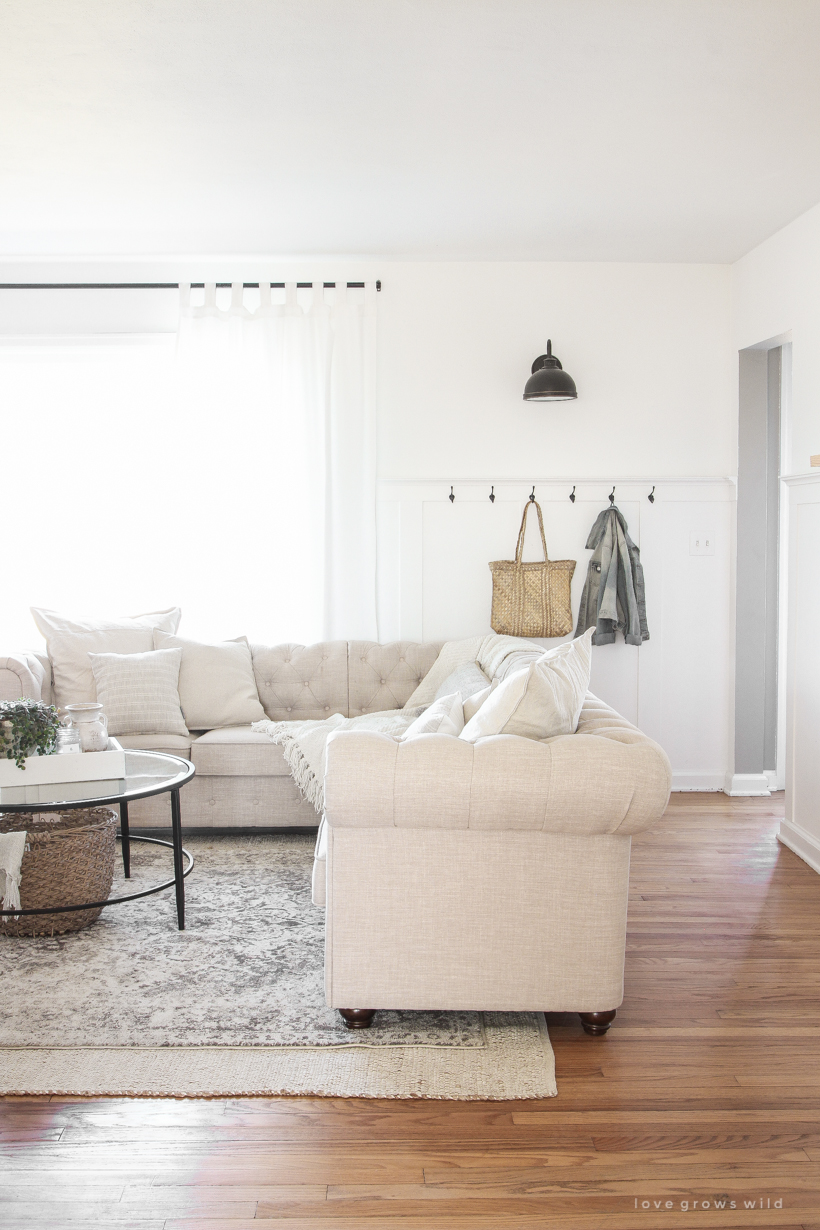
x=301 y=681
x=237 y=751
x=174 y=745
x=386 y=676
x=216 y=682
x=70 y=641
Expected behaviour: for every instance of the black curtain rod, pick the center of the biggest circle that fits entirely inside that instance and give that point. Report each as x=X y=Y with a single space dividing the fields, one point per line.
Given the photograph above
x=158 y=285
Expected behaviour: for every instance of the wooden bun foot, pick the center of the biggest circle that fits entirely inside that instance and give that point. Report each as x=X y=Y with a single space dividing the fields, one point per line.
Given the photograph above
x=597 y=1023
x=359 y=1018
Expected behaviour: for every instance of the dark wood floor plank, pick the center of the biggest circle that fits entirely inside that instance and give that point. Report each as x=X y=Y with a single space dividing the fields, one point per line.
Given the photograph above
x=757 y=1220
x=708 y=1082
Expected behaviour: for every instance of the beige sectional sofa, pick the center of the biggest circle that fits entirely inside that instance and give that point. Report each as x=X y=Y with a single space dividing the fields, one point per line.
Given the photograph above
x=488 y=876
x=242 y=780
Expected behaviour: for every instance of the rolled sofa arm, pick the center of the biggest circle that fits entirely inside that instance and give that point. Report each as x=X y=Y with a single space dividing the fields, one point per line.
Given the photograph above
x=615 y=780
x=25 y=674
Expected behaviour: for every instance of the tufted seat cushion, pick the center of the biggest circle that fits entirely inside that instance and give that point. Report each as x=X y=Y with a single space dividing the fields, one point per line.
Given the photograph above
x=386 y=676
x=301 y=681
x=237 y=751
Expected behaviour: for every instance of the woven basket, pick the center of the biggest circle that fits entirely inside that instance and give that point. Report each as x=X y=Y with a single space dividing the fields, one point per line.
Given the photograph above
x=532 y=599
x=69 y=859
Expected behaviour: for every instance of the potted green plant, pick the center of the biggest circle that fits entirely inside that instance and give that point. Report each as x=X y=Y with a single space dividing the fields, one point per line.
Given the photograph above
x=27 y=728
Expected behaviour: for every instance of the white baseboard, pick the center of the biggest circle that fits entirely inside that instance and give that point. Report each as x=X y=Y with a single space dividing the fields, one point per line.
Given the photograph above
x=805 y=845
x=741 y=785
x=775 y=783
x=697 y=781
x=737 y=785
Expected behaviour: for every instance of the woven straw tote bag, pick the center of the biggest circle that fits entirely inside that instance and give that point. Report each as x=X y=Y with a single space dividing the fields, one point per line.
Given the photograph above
x=532 y=599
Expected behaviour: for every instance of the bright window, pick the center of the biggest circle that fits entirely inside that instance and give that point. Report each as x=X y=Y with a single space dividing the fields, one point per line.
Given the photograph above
x=125 y=490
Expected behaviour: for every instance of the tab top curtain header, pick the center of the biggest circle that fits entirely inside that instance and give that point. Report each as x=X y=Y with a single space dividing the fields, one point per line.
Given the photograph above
x=342 y=298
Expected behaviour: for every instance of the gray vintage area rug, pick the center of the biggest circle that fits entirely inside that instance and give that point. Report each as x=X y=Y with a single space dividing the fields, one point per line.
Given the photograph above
x=234 y=1004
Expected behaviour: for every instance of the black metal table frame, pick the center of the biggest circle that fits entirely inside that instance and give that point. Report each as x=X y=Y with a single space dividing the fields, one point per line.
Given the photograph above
x=171 y=784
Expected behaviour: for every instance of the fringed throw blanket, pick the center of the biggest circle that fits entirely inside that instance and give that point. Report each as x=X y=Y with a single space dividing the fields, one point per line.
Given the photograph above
x=12 y=849
x=304 y=744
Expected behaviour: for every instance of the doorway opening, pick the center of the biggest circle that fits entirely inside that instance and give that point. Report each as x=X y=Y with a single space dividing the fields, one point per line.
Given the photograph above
x=764 y=397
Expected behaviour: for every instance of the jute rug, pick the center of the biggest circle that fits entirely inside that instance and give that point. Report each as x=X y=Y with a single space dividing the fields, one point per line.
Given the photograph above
x=234 y=1005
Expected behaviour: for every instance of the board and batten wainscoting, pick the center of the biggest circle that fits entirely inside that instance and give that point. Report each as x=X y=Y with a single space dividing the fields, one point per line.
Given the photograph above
x=434 y=584
x=800 y=830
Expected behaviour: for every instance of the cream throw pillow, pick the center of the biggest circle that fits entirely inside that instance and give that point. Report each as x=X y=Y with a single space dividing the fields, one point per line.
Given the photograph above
x=451 y=655
x=217 y=686
x=443 y=717
x=540 y=701
x=70 y=642
x=138 y=691
x=466 y=680
x=473 y=703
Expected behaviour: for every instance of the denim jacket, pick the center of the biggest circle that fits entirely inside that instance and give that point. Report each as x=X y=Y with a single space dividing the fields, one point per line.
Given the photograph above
x=613 y=599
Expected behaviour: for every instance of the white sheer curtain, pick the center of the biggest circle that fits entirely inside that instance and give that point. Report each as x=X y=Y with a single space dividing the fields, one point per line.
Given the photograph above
x=230 y=471
x=279 y=454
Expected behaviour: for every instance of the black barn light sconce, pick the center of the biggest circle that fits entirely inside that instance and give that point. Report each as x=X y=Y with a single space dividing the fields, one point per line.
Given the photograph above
x=549 y=381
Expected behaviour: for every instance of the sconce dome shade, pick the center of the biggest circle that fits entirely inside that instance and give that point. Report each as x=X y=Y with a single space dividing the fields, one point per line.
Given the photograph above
x=549 y=381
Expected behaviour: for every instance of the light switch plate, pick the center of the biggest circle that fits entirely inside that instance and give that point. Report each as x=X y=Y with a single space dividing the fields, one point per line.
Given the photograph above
x=701 y=542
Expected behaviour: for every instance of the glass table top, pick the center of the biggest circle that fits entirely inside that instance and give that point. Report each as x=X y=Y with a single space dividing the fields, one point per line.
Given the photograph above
x=146 y=773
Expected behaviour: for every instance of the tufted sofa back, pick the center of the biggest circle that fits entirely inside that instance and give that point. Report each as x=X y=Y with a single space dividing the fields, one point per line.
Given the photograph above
x=386 y=676
x=349 y=677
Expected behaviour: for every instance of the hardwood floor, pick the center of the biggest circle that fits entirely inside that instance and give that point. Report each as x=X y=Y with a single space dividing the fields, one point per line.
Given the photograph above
x=706 y=1089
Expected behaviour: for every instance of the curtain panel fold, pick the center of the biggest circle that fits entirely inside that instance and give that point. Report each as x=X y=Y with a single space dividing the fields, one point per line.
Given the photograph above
x=281 y=403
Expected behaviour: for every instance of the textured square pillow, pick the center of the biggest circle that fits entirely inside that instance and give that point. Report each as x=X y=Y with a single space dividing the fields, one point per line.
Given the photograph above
x=70 y=641
x=138 y=691
x=443 y=717
x=217 y=686
x=451 y=655
x=540 y=701
x=466 y=680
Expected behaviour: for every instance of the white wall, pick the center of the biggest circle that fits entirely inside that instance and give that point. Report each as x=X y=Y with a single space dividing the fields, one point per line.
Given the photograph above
x=650 y=349
x=436 y=585
x=776 y=295
x=801 y=828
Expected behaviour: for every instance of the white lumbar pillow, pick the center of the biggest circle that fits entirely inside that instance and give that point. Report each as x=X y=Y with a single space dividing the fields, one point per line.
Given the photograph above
x=444 y=717
x=217 y=686
x=540 y=701
x=70 y=642
x=138 y=691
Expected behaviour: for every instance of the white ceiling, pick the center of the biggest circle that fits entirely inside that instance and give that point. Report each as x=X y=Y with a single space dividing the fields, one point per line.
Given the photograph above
x=656 y=130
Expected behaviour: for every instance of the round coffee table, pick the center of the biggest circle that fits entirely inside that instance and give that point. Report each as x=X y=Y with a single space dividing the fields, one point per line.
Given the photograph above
x=146 y=774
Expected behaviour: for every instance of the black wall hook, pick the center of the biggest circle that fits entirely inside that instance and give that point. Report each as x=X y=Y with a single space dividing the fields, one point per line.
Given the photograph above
x=612 y=497
x=532 y=495
x=451 y=497
x=492 y=495
x=651 y=496
x=572 y=496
